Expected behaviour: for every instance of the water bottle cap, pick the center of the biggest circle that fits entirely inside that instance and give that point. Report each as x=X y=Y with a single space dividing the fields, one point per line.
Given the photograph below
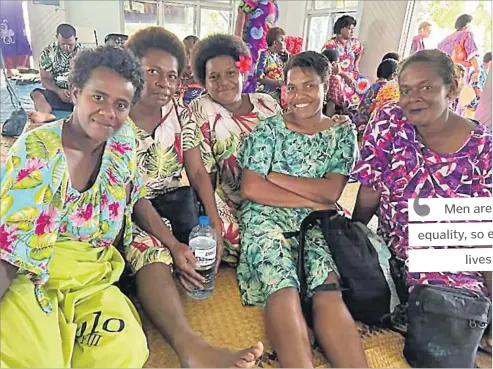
x=204 y=221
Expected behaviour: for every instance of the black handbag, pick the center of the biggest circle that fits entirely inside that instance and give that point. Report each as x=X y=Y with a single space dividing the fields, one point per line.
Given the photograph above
x=445 y=326
x=367 y=289
x=181 y=208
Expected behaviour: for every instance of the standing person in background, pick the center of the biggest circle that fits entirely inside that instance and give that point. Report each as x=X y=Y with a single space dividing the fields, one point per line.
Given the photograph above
x=478 y=85
x=54 y=64
x=14 y=44
x=424 y=31
x=350 y=49
x=460 y=45
x=254 y=19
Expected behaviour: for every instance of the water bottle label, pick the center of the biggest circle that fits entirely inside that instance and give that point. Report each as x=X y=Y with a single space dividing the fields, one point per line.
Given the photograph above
x=205 y=257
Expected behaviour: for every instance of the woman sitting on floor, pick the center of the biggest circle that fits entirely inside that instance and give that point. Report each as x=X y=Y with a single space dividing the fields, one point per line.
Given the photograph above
x=421 y=147
x=292 y=164
x=225 y=116
x=68 y=192
x=168 y=142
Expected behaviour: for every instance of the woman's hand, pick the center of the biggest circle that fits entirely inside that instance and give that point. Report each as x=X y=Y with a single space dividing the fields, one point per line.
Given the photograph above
x=184 y=262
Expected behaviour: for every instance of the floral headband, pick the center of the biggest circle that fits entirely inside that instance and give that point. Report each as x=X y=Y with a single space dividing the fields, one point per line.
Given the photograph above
x=244 y=64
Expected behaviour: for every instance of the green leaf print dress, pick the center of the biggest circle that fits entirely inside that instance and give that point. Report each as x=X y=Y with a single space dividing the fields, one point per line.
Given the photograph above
x=268 y=259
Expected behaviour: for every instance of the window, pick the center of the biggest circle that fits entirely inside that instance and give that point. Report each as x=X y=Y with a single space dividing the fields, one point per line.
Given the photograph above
x=189 y=17
x=321 y=16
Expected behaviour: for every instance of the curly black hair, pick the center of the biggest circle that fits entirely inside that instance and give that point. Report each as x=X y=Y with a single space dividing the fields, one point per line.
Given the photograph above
x=113 y=57
x=331 y=54
x=213 y=46
x=462 y=21
x=387 y=68
x=343 y=22
x=157 y=38
x=309 y=60
x=445 y=67
x=392 y=55
x=273 y=34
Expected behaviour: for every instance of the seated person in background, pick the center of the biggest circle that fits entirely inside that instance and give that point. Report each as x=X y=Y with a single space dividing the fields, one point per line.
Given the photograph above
x=421 y=147
x=335 y=98
x=477 y=83
x=189 y=88
x=270 y=67
x=386 y=72
x=75 y=184
x=54 y=66
x=295 y=163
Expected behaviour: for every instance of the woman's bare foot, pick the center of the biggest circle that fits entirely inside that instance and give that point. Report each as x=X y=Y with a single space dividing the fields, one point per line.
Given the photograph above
x=207 y=356
x=39 y=117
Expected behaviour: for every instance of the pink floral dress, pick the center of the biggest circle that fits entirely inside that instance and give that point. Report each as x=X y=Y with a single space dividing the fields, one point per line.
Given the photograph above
x=223 y=134
x=347 y=57
x=396 y=163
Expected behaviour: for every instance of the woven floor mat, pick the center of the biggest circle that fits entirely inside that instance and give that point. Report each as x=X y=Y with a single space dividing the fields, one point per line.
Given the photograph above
x=223 y=321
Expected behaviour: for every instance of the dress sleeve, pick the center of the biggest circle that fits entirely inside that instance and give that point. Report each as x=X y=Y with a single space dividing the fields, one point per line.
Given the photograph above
x=330 y=45
x=248 y=6
x=376 y=150
x=45 y=61
x=357 y=46
x=201 y=120
x=346 y=151
x=190 y=131
x=32 y=178
x=258 y=148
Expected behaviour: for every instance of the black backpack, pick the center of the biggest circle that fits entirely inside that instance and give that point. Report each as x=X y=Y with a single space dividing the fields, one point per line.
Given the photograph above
x=367 y=280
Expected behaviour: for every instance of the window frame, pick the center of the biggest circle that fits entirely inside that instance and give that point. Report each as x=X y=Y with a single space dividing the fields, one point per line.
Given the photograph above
x=312 y=12
x=197 y=6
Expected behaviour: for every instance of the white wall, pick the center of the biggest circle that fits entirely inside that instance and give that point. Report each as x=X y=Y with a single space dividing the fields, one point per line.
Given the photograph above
x=380 y=32
x=86 y=16
x=292 y=16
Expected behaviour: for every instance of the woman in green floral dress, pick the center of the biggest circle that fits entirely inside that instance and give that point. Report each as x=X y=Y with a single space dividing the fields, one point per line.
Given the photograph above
x=225 y=117
x=293 y=164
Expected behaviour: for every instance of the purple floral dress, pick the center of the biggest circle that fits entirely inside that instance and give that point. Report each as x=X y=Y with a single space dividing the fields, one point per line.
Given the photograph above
x=460 y=46
x=396 y=163
x=262 y=15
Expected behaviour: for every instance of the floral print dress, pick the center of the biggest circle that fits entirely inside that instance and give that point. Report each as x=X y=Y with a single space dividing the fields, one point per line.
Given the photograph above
x=271 y=66
x=347 y=57
x=267 y=258
x=395 y=162
x=223 y=133
x=160 y=157
x=39 y=207
x=262 y=15
x=367 y=106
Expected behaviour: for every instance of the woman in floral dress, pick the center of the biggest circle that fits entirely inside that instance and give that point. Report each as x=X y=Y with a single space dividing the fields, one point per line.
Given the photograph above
x=292 y=164
x=422 y=147
x=168 y=142
x=68 y=192
x=386 y=72
x=225 y=116
x=253 y=21
x=350 y=49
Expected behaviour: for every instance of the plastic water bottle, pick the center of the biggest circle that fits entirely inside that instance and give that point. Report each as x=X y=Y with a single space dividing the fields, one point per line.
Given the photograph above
x=203 y=243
